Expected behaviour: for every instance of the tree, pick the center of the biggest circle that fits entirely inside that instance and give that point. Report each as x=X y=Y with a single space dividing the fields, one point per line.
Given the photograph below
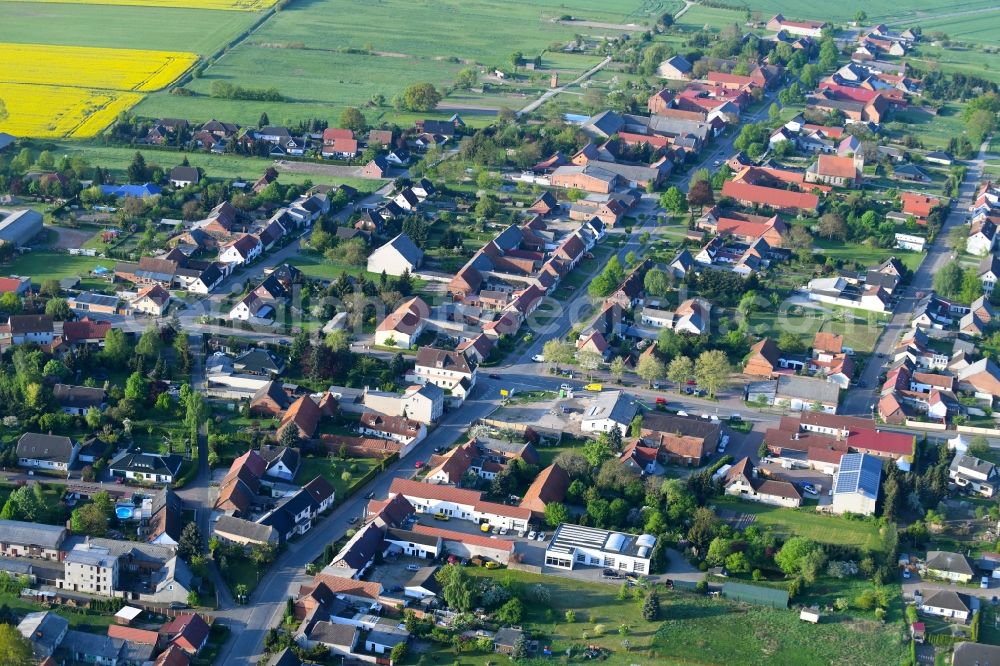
x=558 y=352
x=681 y=369
x=351 y=118
x=712 y=370
x=15 y=649
x=589 y=361
x=556 y=513
x=457 y=587
x=573 y=463
x=948 y=280
x=651 y=607
x=656 y=282
x=798 y=238
x=58 y=309
x=190 y=543
x=700 y=194
x=792 y=556
x=136 y=388
x=979 y=447
x=617 y=368
x=420 y=97
x=398 y=653
x=137 y=171
x=467 y=78
x=149 y=343
x=89 y=519
x=520 y=649
x=650 y=368
x=860 y=16
x=117 y=350
x=774 y=113
x=597 y=451
x=511 y=612
x=673 y=200
x=832 y=226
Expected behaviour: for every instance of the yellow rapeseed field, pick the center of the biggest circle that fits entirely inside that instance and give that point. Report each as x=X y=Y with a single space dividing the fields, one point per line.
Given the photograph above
x=233 y=5
x=89 y=67
x=61 y=111
x=71 y=91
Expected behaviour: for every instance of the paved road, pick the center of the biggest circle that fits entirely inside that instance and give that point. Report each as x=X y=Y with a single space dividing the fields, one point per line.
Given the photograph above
x=861 y=399
x=549 y=94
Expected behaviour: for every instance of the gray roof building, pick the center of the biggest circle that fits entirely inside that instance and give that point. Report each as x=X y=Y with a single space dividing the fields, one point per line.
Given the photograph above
x=93 y=648
x=942 y=560
x=968 y=653
x=51 y=448
x=18 y=227
x=45 y=630
x=32 y=534
x=807 y=389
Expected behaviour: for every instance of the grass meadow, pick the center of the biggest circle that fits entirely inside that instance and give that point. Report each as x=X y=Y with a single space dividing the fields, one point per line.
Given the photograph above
x=886 y=11
x=201 y=31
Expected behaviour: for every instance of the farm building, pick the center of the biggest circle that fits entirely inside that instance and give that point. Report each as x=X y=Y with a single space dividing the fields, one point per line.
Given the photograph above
x=19 y=226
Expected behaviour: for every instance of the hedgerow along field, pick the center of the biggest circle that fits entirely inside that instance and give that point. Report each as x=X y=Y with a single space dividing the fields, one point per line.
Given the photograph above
x=227 y=5
x=73 y=91
x=325 y=55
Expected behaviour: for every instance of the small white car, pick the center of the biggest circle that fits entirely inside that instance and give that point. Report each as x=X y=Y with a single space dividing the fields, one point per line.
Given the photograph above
x=532 y=534
x=565 y=387
x=538 y=358
x=984 y=582
x=503 y=530
x=725 y=440
x=413 y=567
x=541 y=536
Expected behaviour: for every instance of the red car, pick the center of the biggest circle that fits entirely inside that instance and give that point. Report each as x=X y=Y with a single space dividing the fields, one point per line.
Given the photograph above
x=418 y=464
x=661 y=401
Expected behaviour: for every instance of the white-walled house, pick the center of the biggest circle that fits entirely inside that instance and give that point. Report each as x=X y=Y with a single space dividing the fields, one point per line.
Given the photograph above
x=609 y=409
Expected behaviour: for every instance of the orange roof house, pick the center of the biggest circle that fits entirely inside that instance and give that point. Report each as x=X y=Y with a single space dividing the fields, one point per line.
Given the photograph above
x=304 y=414
x=549 y=486
x=784 y=200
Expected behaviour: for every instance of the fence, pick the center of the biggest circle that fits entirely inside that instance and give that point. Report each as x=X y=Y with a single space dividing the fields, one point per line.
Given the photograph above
x=992 y=432
x=925 y=425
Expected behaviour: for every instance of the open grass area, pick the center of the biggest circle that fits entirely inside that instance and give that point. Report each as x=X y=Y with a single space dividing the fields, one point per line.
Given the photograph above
x=819 y=527
x=332 y=469
x=200 y=31
x=933 y=130
x=704 y=630
x=325 y=55
x=864 y=255
x=860 y=329
x=229 y=167
x=49 y=265
x=78 y=619
x=914 y=12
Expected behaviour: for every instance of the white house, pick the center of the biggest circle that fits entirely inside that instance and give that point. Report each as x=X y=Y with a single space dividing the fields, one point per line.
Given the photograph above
x=743 y=481
x=982 y=237
x=398 y=256
x=449 y=370
x=242 y=251
x=973 y=473
x=250 y=307
x=609 y=409
x=910 y=242
x=947 y=603
x=459 y=504
x=403 y=326
x=46 y=451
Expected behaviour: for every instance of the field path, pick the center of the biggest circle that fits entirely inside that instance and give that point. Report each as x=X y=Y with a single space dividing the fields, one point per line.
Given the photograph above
x=624 y=27
x=549 y=94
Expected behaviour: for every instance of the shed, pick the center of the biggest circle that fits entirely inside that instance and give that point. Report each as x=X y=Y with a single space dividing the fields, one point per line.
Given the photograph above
x=127 y=615
x=755 y=594
x=809 y=615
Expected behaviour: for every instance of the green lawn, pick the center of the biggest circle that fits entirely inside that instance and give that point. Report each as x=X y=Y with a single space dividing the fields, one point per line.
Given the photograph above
x=894 y=13
x=693 y=629
x=78 y=619
x=704 y=630
x=860 y=329
x=862 y=254
x=117 y=26
x=50 y=265
x=934 y=131
x=333 y=471
x=239 y=569
x=819 y=527
x=229 y=167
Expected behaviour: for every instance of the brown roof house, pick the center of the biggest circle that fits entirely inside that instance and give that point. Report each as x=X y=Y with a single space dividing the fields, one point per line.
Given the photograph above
x=304 y=414
x=549 y=486
x=681 y=439
x=743 y=481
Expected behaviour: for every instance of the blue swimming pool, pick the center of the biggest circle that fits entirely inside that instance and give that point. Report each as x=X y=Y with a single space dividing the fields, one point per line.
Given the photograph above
x=124 y=512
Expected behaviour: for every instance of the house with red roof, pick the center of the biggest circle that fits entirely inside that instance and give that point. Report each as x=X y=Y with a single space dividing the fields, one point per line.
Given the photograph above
x=835 y=170
x=918 y=205
x=189 y=632
x=19 y=286
x=779 y=23
x=460 y=504
x=776 y=199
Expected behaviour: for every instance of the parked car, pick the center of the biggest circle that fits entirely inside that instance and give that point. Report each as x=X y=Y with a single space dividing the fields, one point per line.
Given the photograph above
x=492 y=565
x=418 y=464
x=722 y=446
x=353 y=520
x=809 y=488
x=532 y=534
x=541 y=536
x=538 y=358
x=413 y=567
x=565 y=387
x=442 y=516
x=907 y=574
x=725 y=440
x=503 y=531
x=485 y=528
x=370 y=495
x=593 y=387
x=984 y=582
x=493 y=375
x=661 y=401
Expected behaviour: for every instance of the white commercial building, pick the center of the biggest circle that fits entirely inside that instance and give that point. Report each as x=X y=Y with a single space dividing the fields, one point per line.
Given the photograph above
x=589 y=546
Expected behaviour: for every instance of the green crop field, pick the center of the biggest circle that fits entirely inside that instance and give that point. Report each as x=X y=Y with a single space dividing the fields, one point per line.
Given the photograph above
x=328 y=54
x=115 y=26
x=885 y=11
x=714 y=18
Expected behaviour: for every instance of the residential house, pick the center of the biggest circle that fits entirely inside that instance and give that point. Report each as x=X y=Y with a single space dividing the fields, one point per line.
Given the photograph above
x=773 y=198
x=743 y=481
x=241 y=251
x=304 y=415
x=182 y=176
x=36 y=329
x=403 y=326
x=945 y=565
x=270 y=400
x=146 y=467
x=947 y=604
x=549 y=486
x=779 y=23
x=982 y=237
x=78 y=400
x=989 y=272
x=607 y=410
x=260 y=362
x=45 y=630
x=400 y=255
x=967 y=653
x=451 y=371
x=834 y=170
x=679 y=439
x=88 y=648
x=46 y=451
x=675 y=68
x=980 y=476
x=244 y=532
x=152 y=300
x=187 y=631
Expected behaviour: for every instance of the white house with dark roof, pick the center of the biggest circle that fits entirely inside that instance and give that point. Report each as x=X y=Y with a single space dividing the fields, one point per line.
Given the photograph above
x=449 y=370
x=398 y=256
x=609 y=409
x=977 y=475
x=46 y=451
x=948 y=604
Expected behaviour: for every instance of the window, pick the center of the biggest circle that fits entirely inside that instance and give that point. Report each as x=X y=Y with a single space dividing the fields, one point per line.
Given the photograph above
x=640 y=567
x=609 y=561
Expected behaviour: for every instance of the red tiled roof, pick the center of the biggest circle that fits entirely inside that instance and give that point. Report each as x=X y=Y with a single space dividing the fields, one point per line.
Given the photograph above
x=892 y=443
x=828 y=342
x=85 y=329
x=471 y=539
x=406 y=318
x=549 y=486
x=770 y=196
x=190 y=632
x=836 y=167
x=9 y=285
x=304 y=413
x=134 y=635
x=172 y=656
x=917 y=205
x=349 y=586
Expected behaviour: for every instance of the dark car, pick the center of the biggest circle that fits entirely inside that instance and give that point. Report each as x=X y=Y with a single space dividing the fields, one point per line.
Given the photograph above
x=494 y=375
x=370 y=495
x=353 y=520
